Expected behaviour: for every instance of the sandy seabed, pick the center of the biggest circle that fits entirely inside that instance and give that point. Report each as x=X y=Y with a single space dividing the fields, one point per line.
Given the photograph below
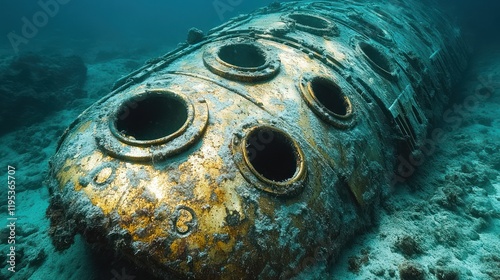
x=441 y=223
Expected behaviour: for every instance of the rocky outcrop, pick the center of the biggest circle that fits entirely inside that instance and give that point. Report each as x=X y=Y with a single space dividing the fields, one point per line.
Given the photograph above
x=33 y=86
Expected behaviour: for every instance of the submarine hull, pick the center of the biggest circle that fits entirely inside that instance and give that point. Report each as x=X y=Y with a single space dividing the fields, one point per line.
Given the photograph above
x=261 y=148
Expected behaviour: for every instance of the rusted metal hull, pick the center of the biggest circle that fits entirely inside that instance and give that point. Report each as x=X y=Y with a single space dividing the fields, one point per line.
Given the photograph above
x=261 y=148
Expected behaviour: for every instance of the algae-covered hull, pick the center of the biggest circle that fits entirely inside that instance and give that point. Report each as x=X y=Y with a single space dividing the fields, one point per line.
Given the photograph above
x=260 y=148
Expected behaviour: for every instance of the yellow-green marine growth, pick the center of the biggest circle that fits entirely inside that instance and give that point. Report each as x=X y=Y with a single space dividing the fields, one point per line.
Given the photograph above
x=260 y=148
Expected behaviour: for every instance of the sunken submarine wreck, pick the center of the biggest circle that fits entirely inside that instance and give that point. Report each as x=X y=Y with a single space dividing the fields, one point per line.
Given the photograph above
x=261 y=147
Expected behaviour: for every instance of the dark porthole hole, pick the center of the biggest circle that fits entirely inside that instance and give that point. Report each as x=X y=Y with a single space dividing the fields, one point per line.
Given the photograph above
x=243 y=55
x=310 y=21
x=152 y=117
x=272 y=154
x=376 y=56
x=330 y=95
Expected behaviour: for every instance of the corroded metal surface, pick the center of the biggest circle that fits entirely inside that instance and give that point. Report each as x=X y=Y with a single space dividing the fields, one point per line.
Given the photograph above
x=261 y=148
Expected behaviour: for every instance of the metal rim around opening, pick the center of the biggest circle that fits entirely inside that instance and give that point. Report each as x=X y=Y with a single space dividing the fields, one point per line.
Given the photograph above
x=270 y=159
x=150 y=103
x=151 y=125
x=241 y=59
x=377 y=60
x=313 y=23
x=329 y=99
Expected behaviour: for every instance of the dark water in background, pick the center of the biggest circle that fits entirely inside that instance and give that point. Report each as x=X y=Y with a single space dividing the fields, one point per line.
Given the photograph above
x=116 y=22
x=75 y=23
x=481 y=18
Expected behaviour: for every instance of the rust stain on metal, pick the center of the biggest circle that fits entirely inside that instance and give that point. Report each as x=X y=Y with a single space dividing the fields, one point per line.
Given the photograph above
x=264 y=145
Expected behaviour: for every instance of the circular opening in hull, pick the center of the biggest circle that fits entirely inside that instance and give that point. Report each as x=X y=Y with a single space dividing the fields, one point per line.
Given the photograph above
x=313 y=24
x=330 y=95
x=241 y=59
x=311 y=21
x=272 y=154
x=151 y=117
x=376 y=57
x=242 y=55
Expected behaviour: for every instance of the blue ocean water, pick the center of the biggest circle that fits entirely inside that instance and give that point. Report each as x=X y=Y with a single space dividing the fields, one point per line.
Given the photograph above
x=160 y=21
x=100 y=41
x=114 y=21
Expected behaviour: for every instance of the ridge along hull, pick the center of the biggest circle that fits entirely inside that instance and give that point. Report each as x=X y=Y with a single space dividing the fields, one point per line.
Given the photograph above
x=261 y=148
